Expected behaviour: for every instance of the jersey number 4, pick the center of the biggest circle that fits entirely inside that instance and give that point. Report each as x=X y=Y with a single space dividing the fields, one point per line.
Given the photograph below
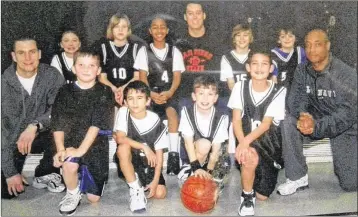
x=121 y=73
x=165 y=76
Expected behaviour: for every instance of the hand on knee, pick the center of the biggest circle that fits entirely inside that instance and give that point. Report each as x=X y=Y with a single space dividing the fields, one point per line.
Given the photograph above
x=160 y=193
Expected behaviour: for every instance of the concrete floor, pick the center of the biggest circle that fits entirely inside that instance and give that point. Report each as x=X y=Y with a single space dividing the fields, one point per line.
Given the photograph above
x=324 y=197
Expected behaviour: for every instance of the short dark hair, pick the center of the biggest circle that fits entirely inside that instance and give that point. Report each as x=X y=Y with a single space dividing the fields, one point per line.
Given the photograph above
x=206 y=82
x=203 y=7
x=83 y=52
x=138 y=86
x=264 y=50
x=24 y=38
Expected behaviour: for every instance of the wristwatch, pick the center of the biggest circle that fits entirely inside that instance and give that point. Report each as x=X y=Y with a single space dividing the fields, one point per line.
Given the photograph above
x=37 y=124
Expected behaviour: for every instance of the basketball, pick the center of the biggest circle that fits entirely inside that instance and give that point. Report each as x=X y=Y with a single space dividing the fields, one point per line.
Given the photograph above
x=198 y=194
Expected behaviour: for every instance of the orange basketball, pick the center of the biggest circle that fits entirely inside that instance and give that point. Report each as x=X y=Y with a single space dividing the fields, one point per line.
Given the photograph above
x=199 y=195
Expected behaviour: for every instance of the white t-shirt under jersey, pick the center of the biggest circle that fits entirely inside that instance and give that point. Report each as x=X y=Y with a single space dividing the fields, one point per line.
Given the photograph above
x=57 y=64
x=142 y=125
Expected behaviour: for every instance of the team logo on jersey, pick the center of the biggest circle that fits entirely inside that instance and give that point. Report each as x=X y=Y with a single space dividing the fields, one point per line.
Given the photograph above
x=196 y=59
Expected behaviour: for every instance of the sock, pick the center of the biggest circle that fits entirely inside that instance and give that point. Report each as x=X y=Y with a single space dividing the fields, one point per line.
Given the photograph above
x=74 y=191
x=174 y=141
x=251 y=192
x=134 y=184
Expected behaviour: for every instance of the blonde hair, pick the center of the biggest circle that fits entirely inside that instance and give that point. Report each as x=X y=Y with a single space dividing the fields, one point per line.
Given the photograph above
x=241 y=28
x=115 y=19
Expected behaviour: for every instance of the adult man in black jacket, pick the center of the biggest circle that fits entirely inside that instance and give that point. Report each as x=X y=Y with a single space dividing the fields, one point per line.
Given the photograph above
x=322 y=103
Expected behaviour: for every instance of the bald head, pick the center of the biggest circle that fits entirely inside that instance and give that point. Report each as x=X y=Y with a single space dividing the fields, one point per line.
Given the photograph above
x=317 y=47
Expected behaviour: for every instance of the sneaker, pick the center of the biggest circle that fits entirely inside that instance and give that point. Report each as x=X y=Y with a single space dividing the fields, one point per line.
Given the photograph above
x=138 y=201
x=53 y=182
x=290 y=187
x=247 y=206
x=173 y=165
x=220 y=184
x=185 y=172
x=69 y=203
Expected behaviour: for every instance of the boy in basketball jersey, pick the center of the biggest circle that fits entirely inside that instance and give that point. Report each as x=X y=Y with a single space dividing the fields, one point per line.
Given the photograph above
x=81 y=111
x=286 y=57
x=160 y=67
x=141 y=137
x=258 y=106
x=204 y=129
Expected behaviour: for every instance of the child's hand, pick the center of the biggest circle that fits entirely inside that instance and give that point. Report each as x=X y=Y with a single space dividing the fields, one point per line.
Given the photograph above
x=59 y=158
x=157 y=98
x=305 y=123
x=202 y=174
x=151 y=157
x=73 y=152
x=152 y=188
x=165 y=95
x=241 y=152
x=118 y=94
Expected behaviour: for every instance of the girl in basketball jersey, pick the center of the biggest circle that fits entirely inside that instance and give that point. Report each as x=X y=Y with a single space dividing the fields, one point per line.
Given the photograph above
x=161 y=67
x=286 y=57
x=118 y=54
x=70 y=44
x=233 y=62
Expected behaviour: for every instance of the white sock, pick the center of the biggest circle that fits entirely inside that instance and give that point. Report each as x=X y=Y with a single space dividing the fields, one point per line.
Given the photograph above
x=74 y=191
x=174 y=141
x=134 y=184
x=251 y=192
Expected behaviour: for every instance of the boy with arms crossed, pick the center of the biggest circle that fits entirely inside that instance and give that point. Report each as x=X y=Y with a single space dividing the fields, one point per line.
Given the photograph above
x=80 y=111
x=258 y=106
x=141 y=136
x=204 y=129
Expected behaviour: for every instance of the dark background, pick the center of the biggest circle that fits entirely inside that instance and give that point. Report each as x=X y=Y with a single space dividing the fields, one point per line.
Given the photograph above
x=46 y=20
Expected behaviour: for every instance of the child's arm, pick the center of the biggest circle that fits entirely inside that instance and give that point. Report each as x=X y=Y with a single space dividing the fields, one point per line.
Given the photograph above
x=121 y=138
x=214 y=156
x=59 y=158
x=158 y=170
x=230 y=83
x=237 y=125
x=104 y=80
x=85 y=145
x=176 y=82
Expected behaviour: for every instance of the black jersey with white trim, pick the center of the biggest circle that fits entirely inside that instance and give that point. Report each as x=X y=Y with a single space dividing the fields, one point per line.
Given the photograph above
x=70 y=77
x=286 y=65
x=160 y=76
x=215 y=122
x=238 y=67
x=118 y=61
x=253 y=114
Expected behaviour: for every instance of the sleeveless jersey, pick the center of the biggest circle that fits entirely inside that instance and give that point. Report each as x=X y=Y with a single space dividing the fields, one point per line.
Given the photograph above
x=215 y=122
x=238 y=67
x=70 y=77
x=118 y=62
x=160 y=75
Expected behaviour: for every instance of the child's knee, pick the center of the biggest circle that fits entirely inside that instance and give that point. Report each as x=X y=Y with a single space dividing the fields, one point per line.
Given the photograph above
x=261 y=197
x=123 y=152
x=161 y=192
x=93 y=198
x=69 y=167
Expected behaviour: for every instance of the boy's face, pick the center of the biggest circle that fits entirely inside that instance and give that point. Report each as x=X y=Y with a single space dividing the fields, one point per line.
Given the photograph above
x=121 y=30
x=86 y=68
x=259 y=67
x=70 y=43
x=287 y=39
x=137 y=102
x=158 y=30
x=205 y=97
x=242 y=39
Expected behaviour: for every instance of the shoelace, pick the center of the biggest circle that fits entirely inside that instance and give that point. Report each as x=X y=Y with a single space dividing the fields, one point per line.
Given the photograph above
x=248 y=200
x=136 y=193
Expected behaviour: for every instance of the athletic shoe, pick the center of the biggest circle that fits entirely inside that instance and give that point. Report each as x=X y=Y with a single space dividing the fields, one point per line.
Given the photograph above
x=53 y=182
x=138 y=201
x=220 y=184
x=185 y=172
x=290 y=187
x=247 y=206
x=69 y=203
x=173 y=165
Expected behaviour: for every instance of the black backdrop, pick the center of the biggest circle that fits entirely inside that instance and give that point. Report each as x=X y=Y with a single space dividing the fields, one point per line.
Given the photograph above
x=46 y=20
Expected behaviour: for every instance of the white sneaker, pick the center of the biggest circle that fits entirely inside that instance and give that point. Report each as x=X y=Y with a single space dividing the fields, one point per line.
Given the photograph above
x=53 y=182
x=247 y=206
x=185 y=172
x=138 y=201
x=69 y=203
x=290 y=187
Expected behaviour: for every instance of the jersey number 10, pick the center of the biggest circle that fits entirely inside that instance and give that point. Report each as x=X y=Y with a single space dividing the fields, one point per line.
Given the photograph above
x=121 y=73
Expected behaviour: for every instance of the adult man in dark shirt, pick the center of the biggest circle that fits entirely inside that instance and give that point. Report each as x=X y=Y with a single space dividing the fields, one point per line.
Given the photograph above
x=322 y=103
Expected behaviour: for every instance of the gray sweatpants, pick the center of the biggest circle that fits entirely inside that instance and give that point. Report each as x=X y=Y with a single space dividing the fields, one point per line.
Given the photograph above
x=344 y=151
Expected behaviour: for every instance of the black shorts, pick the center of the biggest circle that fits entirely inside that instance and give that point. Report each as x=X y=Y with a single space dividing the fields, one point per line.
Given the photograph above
x=161 y=109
